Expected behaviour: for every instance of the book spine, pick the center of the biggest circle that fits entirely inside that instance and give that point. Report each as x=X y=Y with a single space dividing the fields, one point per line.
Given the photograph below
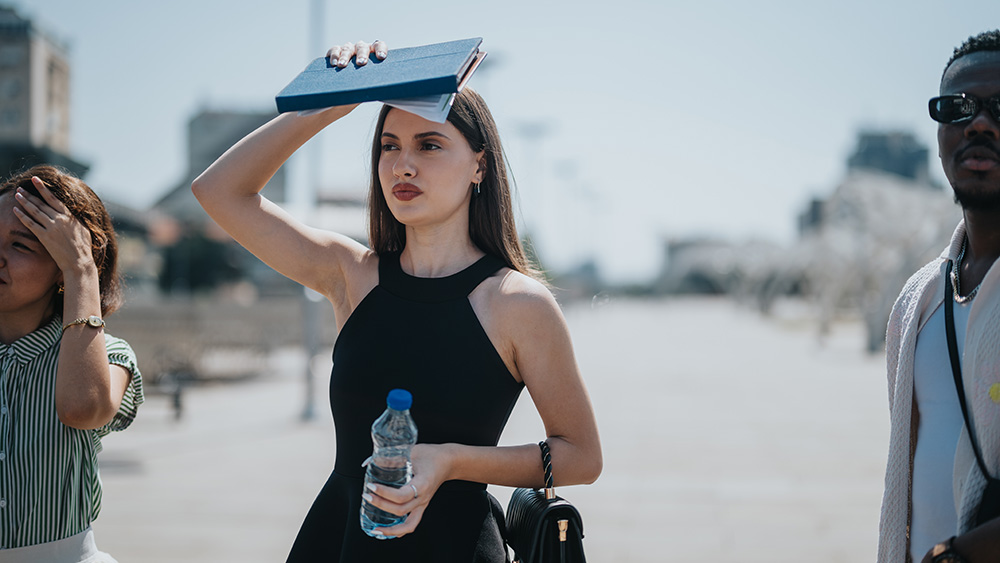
x=429 y=87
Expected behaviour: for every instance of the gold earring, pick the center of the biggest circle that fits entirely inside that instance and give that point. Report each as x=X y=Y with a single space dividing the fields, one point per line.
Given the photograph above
x=61 y=289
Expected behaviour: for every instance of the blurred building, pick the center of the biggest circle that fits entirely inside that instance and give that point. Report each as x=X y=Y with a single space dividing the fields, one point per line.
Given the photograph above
x=697 y=265
x=882 y=222
x=197 y=255
x=35 y=120
x=34 y=97
x=211 y=133
x=897 y=154
x=858 y=244
x=753 y=271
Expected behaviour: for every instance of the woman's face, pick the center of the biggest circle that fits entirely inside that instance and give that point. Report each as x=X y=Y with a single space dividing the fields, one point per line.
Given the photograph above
x=28 y=274
x=426 y=170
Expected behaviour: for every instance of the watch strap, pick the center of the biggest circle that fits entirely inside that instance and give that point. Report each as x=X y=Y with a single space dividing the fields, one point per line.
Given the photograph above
x=92 y=320
x=948 y=555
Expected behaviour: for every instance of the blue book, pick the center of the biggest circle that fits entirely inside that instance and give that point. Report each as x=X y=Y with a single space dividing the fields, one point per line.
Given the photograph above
x=427 y=76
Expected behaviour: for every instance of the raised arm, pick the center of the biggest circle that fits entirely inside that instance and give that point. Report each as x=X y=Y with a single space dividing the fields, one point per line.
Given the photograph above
x=229 y=190
x=89 y=390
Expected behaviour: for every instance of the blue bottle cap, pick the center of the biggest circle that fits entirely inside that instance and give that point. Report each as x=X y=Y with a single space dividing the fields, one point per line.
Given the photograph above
x=399 y=399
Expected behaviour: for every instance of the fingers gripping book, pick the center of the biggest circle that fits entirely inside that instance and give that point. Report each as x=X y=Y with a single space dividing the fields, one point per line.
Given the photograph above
x=422 y=80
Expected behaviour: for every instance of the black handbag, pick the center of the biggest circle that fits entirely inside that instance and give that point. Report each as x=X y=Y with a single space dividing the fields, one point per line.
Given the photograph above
x=989 y=506
x=543 y=527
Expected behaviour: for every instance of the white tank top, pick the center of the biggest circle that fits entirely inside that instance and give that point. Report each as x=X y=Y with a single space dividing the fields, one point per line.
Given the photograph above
x=934 y=517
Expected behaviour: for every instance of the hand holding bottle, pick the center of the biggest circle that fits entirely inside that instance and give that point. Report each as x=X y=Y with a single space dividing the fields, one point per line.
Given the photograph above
x=393 y=436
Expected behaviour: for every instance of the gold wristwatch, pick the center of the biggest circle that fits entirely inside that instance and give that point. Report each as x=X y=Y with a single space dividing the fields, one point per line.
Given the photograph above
x=92 y=320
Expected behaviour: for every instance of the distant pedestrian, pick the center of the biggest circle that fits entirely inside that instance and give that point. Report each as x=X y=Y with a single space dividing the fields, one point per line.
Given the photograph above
x=934 y=484
x=444 y=304
x=64 y=383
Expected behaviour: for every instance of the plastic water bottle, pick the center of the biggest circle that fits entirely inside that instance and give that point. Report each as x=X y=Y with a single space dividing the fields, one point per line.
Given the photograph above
x=393 y=434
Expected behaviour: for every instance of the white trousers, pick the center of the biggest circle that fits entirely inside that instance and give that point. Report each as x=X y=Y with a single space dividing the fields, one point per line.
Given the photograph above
x=80 y=548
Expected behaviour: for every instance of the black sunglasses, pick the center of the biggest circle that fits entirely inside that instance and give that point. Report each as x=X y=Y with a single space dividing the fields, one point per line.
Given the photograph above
x=957 y=108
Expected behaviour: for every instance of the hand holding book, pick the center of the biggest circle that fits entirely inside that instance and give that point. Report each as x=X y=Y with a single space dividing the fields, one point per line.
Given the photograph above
x=422 y=80
x=340 y=55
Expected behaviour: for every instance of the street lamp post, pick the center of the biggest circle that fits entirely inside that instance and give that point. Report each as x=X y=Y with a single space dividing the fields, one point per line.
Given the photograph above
x=311 y=318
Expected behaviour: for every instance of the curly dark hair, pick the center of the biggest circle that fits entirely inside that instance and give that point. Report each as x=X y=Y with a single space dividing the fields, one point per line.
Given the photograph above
x=88 y=208
x=985 y=41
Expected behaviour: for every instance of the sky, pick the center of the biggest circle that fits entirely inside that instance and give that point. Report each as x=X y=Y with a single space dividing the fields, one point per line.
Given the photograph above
x=626 y=123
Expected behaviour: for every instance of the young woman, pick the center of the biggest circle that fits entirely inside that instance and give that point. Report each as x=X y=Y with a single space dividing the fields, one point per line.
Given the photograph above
x=64 y=383
x=444 y=304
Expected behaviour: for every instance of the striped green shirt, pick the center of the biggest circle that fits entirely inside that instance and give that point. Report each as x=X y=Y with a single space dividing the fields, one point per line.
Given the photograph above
x=49 y=485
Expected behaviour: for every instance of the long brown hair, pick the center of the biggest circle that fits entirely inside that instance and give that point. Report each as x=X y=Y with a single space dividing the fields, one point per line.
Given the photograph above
x=491 y=216
x=84 y=204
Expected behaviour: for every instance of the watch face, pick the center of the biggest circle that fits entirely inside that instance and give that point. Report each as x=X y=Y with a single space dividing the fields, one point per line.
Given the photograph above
x=95 y=321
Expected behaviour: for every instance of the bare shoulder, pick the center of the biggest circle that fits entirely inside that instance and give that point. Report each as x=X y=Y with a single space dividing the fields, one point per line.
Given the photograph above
x=516 y=299
x=524 y=290
x=519 y=314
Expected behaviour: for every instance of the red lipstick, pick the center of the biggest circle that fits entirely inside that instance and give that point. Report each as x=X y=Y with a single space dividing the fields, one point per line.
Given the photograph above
x=405 y=192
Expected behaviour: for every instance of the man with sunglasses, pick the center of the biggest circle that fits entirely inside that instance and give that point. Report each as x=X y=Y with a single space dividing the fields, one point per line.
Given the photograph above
x=934 y=487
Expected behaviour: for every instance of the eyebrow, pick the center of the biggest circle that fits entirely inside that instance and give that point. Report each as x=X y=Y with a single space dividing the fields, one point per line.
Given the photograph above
x=24 y=234
x=419 y=135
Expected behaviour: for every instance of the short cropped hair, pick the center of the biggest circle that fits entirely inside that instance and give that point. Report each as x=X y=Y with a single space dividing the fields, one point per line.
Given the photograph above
x=985 y=41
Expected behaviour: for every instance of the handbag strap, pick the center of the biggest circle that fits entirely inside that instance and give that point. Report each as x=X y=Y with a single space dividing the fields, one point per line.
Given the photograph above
x=550 y=490
x=956 y=365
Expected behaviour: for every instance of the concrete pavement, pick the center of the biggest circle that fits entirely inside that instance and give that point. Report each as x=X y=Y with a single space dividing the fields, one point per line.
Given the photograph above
x=727 y=437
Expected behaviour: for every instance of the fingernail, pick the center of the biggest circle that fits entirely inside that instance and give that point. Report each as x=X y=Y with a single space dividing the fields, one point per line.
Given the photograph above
x=381 y=53
x=371 y=487
x=366 y=496
x=378 y=532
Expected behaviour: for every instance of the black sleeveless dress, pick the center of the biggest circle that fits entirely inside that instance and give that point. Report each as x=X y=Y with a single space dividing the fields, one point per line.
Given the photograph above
x=419 y=334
